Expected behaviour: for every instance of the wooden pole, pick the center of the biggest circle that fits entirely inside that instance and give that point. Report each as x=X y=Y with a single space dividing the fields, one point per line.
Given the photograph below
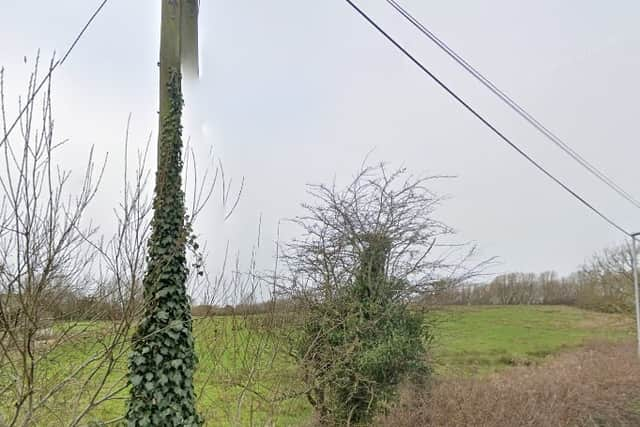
x=169 y=55
x=162 y=358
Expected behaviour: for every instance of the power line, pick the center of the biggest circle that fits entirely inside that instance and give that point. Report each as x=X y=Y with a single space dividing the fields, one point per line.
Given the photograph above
x=515 y=106
x=52 y=68
x=485 y=121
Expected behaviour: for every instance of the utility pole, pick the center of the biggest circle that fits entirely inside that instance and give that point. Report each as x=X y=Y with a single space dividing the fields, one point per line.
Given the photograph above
x=162 y=359
x=634 y=263
x=169 y=55
x=178 y=47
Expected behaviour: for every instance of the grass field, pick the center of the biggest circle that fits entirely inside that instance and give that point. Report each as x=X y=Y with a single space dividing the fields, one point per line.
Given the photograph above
x=479 y=340
x=246 y=378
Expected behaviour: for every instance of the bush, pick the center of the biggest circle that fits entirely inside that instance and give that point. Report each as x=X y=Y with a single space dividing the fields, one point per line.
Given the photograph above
x=365 y=254
x=356 y=349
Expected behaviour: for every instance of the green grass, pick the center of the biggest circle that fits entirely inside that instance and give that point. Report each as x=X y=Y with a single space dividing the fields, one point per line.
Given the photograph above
x=480 y=340
x=242 y=367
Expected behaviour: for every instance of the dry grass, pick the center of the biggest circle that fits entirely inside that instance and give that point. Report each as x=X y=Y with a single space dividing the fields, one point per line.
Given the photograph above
x=598 y=385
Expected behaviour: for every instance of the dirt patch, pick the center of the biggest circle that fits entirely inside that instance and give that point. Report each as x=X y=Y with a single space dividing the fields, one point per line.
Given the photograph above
x=597 y=385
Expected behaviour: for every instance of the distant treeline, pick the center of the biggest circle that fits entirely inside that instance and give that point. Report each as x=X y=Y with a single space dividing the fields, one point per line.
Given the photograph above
x=278 y=306
x=605 y=283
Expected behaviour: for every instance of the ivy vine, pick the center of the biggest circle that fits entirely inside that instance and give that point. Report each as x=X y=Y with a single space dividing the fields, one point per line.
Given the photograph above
x=163 y=359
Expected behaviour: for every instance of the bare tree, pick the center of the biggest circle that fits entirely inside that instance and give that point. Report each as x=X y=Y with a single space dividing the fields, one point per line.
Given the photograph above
x=395 y=204
x=61 y=283
x=606 y=281
x=366 y=252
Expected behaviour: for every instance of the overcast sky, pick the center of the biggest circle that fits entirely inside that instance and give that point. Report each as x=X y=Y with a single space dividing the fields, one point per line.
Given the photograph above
x=294 y=92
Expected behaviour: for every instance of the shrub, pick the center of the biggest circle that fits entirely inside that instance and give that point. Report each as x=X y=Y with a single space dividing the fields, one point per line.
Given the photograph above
x=367 y=251
x=358 y=347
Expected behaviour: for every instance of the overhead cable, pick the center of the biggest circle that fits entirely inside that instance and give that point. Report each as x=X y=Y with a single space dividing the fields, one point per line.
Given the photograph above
x=485 y=121
x=52 y=68
x=515 y=106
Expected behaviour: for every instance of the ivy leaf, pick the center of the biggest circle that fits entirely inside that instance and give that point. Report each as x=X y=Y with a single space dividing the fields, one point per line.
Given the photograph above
x=136 y=380
x=163 y=379
x=162 y=293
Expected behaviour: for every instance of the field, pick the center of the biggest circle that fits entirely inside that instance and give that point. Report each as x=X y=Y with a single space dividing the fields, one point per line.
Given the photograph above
x=246 y=378
x=480 y=340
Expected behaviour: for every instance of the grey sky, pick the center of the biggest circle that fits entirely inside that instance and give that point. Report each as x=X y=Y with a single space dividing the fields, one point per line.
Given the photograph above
x=295 y=91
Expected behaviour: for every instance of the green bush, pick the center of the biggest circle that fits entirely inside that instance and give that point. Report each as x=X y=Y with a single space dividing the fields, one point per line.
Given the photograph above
x=357 y=347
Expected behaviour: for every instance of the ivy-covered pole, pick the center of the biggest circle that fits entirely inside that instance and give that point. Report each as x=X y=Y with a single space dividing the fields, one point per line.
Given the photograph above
x=163 y=359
